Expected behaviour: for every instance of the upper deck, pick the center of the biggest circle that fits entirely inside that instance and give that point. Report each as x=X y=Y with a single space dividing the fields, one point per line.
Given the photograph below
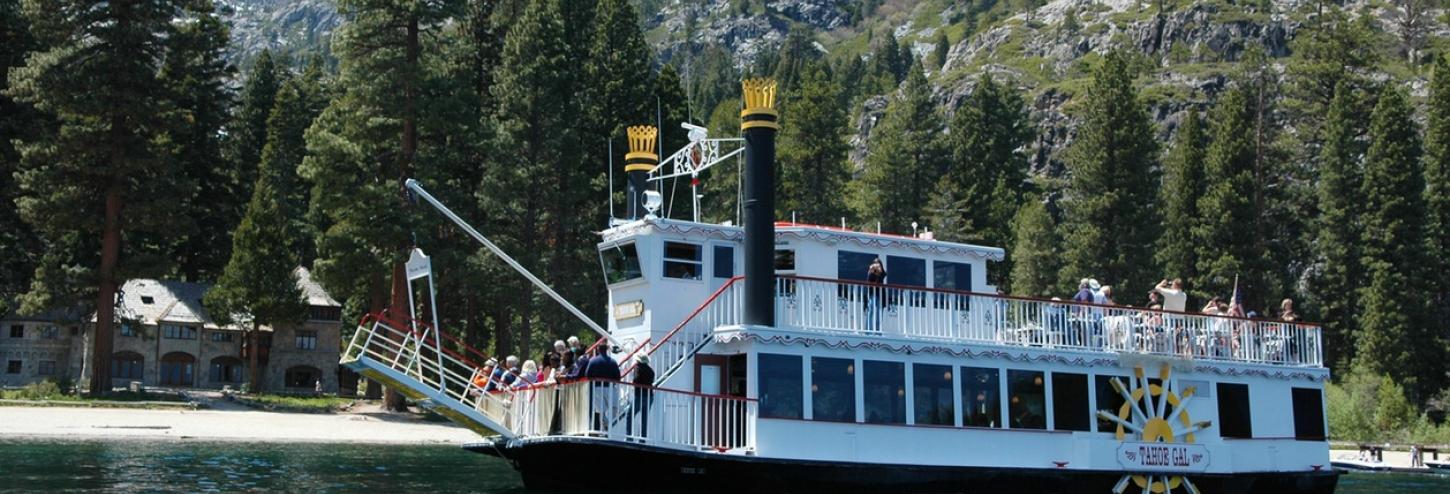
x=672 y=276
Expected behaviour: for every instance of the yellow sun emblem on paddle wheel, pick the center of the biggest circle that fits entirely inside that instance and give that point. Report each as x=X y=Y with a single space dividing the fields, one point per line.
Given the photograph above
x=1148 y=415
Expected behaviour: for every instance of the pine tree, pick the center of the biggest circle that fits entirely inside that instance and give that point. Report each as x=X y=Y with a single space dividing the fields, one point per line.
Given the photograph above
x=1109 y=223
x=19 y=246
x=1437 y=182
x=98 y=78
x=942 y=48
x=247 y=132
x=1337 y=235
x=1035 y=254
x=196 y=74
x=813 y=169
x=1183 y=182
x=619 y=60
x=906 y=159
x=988 y=168
x=366 y=143
x=1394 y=334
x=259 y=282
x=798 y=55
x=1230 y=248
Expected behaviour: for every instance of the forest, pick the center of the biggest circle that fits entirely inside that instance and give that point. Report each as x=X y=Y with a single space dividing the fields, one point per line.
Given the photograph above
x=131 y=146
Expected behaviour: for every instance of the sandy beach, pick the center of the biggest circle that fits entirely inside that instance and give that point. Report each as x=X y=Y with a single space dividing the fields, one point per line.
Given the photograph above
x=226 y=425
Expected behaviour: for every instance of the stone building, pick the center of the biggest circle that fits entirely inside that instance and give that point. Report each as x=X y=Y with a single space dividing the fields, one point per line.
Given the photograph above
x=166 y=338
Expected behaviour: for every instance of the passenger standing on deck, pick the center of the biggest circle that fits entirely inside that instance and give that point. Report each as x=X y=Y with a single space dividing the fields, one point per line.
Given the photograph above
x=603 y=372
x=1174 y=300
x=644 y=380
x=876 y=278
x=577 y=350
x=511 y=371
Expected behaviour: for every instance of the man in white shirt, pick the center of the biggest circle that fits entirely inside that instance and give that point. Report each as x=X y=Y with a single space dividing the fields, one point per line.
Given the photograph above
x=1174 y=299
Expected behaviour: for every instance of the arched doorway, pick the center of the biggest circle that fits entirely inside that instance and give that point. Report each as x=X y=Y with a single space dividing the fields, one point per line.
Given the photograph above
x=178 y=369
x=127 y=365
x=303 y=376
x=227 y=370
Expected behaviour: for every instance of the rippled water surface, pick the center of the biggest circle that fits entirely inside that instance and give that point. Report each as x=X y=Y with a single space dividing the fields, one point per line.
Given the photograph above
x=139 y=466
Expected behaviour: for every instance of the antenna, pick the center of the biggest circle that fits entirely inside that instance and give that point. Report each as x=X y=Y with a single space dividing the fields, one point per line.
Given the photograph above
x=609 y=189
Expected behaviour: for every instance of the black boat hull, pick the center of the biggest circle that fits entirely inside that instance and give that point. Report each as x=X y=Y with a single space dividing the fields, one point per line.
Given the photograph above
x=588 y=463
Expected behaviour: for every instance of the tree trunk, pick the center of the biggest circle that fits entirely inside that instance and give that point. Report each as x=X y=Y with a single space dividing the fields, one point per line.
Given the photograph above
x=106 y=295
x=392 y=400
x=254 y=367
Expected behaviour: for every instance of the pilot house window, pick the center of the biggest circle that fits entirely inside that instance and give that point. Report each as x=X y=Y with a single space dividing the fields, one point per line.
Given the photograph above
x=621 y=263
x=682 y=261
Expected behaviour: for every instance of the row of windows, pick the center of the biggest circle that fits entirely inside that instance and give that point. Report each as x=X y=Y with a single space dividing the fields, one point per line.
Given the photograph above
x=833 y=391
x=178 y=332
x=46 y=332
x=46 y=367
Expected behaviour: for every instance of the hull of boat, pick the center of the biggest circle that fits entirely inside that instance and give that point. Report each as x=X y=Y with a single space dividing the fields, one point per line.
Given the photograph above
x=572 y=463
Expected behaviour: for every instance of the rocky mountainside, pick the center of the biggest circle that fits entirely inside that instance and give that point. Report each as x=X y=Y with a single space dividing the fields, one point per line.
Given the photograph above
x=1047 y=49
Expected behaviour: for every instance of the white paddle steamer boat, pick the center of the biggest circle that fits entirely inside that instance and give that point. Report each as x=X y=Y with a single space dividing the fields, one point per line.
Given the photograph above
x=781 y=368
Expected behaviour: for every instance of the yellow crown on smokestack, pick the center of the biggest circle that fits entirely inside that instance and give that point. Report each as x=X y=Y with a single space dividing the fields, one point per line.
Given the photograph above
x=641 y=156
x=759 y=104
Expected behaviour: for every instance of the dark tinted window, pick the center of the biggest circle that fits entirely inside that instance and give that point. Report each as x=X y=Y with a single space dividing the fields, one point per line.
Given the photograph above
x=951 y=275
x=932 y=386
x=1233 y=411
x=833 y=389
x=885 y=392
x=621 y=263
x=853 y=265
x=905 y=271
x=1308 y=414
x=724 y=261
x=981 y=397
x=1109 y=400
x=784 y=260
x=781 y=387
x=1026 y=400
x=1070 y=402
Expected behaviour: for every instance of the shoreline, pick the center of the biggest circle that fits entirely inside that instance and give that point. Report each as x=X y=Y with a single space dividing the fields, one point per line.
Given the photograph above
x=239 y=426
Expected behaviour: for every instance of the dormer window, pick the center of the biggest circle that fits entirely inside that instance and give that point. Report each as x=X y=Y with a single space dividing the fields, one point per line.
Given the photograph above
x=145 y=299
x=682 y=260
x=620 y=263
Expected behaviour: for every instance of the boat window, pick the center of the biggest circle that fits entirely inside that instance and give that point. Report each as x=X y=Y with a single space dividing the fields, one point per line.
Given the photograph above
x=1026 y=401
x=784 y=260
x=981 y=397
x=781 y=388
x=1109 y=400
x=621 y=263
x=885 y=392
x=853 y=265
x=682 y=260
x=724 y=261
x=1233 y=411
x=932 y=389
x=908 y=271
x=951 y=275
x=1308 y=414
x=1070 y=409
x=833 y=389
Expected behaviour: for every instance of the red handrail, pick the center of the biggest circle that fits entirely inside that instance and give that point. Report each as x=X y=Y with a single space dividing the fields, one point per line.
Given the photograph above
x=687 y=319
x=1042 y=300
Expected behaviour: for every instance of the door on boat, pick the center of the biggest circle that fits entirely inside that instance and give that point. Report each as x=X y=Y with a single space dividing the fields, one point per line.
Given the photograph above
x=720 y=379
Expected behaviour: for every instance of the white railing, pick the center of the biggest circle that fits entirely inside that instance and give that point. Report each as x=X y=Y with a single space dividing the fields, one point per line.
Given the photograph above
x=616 y=410
x=722 y=308
x=932 y=314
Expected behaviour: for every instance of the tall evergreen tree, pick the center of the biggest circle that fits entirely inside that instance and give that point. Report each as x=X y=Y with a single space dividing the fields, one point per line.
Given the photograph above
x=813 y=169
x=1183 y=182
x=247 y=131
x=104 y=175
x=366 y=143
x=195 y=74
x=988 y=170
x=259 y=282
x=673 y=108
x=797 y=57
x=1230 y=246
x=19 y=246
x=1035 y=251
x=619 y=63
x=1109 y=224
x=1337 y=230
x=1394 y=335
x=906 y=159
x=1437 y=183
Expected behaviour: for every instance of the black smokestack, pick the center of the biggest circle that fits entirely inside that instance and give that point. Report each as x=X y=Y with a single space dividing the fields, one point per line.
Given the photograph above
x=638 y=162
x=758 y=123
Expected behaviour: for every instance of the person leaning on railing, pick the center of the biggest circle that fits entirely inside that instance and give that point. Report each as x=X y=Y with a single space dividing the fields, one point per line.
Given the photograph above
x=644 y=381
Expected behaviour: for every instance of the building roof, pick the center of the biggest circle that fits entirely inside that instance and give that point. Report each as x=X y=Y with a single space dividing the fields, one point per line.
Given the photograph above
x=156 y=301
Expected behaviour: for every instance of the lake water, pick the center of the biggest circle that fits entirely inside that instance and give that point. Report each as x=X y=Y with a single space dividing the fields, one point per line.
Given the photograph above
x=132 y=466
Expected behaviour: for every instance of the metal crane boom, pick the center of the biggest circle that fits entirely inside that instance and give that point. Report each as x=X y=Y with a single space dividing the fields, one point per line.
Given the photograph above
x=417 y=188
